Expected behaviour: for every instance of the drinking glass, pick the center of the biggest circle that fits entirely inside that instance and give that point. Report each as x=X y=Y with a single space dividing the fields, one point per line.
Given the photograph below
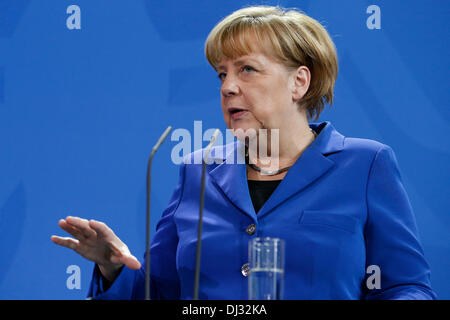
x=266 y=274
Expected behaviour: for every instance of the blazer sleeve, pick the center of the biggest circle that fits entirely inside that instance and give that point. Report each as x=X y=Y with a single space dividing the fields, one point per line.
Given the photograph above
x=130 y=284
x=391 y=237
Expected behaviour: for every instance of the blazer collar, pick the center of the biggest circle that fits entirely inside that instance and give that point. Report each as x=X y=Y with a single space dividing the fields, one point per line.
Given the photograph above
x=328 y=139
x=230 y=176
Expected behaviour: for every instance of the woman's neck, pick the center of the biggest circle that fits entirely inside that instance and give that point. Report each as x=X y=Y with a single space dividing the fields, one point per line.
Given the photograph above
x=283 y=150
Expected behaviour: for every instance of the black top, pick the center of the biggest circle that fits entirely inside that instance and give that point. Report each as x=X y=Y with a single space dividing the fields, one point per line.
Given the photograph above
x=260 y=191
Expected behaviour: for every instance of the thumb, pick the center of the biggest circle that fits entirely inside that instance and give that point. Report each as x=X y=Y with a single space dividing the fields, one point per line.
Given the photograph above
x=130 y=261
x=124 y=256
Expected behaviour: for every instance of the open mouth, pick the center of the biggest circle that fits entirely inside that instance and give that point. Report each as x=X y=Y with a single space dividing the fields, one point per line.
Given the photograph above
x=236 y=112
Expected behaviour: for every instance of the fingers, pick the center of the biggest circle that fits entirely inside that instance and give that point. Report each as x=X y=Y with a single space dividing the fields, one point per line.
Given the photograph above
x=75 y=232
x=82 y=225
x=102 y=230
x=66 y=242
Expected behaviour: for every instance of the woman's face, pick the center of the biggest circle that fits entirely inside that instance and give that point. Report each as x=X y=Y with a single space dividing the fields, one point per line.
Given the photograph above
x=256 y=92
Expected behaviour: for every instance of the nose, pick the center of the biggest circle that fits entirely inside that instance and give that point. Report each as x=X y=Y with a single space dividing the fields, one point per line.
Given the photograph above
x=230 y=86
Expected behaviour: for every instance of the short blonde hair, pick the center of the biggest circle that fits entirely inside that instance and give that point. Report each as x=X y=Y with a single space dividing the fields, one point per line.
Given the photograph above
x=290 y=36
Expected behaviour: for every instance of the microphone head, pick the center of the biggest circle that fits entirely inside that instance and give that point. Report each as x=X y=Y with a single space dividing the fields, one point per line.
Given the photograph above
x=210 y=145
x=161 y=139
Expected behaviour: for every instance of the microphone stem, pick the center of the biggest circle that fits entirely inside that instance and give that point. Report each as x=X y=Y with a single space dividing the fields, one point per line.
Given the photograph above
x=200 y=215
x=199 y=233
x=147 y=236
x=147 y=233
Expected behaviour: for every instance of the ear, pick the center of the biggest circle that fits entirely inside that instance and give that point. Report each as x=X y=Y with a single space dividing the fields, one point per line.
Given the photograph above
x=301 y=82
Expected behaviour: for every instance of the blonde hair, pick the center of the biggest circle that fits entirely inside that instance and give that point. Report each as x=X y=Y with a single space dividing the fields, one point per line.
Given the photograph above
x=290 y=36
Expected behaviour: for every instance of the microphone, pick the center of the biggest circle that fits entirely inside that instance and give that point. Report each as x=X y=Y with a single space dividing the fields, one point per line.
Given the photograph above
x=147 y=242
x=200 y=215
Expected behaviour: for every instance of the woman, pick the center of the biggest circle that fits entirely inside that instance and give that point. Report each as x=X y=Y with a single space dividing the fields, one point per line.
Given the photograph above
x=338 y=202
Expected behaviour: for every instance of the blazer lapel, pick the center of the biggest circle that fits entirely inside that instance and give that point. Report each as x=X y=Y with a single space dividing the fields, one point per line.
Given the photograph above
x=231 y=177
x=309 y=167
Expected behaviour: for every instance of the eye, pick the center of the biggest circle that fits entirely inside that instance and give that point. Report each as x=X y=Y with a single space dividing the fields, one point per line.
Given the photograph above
x=221 y=75
x=248 y=69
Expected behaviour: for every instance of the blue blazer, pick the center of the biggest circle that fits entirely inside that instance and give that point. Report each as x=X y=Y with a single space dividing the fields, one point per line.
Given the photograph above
x=341 y=209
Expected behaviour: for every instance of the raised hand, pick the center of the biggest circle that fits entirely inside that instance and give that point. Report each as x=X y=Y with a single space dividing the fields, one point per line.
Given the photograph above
x=96 y=242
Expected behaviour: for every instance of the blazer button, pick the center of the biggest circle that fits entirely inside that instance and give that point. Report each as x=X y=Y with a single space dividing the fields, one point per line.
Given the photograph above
x=245 y=269
x=251 y=229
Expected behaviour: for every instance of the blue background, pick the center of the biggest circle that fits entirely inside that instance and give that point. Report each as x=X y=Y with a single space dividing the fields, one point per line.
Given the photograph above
x=81 y=109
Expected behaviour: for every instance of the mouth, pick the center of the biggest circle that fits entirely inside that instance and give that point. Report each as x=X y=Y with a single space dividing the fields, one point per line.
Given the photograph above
x=236 y=113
